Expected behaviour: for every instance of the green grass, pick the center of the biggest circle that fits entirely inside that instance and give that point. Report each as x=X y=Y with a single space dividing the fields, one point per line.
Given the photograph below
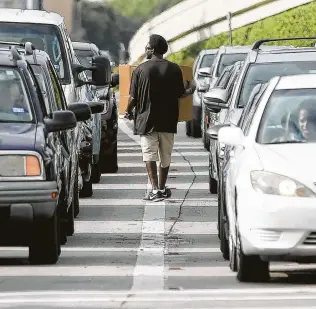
x=300 y=21
x=142 y=10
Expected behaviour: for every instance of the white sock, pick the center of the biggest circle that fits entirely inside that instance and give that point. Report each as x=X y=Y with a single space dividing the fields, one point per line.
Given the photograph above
x=155 y=191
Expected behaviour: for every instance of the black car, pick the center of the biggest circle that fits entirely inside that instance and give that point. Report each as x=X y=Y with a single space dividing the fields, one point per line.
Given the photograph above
x=55 y=100
x=33 y=158
x=109 y=116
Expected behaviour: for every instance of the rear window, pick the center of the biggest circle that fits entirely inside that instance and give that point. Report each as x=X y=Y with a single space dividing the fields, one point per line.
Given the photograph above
x=262 y=73
x=14 y=103
x=227 y=60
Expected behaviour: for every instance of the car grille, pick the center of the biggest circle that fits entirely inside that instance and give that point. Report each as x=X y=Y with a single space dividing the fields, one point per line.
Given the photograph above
x=311 y=239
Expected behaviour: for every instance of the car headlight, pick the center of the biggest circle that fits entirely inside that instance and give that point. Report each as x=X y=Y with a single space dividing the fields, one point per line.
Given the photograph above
x=275 y=184
x=20 y=166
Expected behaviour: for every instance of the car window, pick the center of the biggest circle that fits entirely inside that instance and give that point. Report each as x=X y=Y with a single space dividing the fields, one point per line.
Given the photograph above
x=246 y=114
x=223 y=80
x=42 y=81
x=262 y=73
x=207 y=61
x=58 y=92
x=289 y=116
x=44 y=37
x=85 y=58
x=227 y=60
x=15 y=105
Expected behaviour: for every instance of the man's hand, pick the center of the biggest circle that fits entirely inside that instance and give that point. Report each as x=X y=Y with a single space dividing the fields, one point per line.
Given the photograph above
x=190 y=86
x=128 y=116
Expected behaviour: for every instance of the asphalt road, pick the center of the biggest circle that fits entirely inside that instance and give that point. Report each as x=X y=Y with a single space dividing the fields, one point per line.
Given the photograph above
x=130 y=254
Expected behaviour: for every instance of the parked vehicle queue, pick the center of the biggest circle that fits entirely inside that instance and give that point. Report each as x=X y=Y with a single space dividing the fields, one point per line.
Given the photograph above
x=265 y=192
x=47 y=161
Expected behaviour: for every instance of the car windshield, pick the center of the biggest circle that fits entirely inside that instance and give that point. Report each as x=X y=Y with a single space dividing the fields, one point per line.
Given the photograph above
x=227 y=60
x=289 y=117
x=262 y=73
x=14 y=103
x=44 y=37
x=85 y=58
x=207 y=61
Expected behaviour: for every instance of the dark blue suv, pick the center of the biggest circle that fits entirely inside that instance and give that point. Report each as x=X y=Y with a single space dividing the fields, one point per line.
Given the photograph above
x=33 y=160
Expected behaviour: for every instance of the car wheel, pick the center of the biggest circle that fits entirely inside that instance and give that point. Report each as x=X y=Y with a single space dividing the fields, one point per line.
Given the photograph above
x=76 y=201
x=218 y=212
x=223 y=240
x=45 y=245
x=232 y=254
x=195 y=129
x=250 y=268
x=205 y=138
x=212 y=181
x=96 y=173
x=109 y=162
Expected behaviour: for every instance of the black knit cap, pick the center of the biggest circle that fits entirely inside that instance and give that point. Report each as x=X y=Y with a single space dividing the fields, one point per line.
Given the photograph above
x=158 y=43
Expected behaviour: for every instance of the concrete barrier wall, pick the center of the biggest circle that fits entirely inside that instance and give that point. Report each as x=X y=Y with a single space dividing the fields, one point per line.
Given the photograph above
x=193 y=21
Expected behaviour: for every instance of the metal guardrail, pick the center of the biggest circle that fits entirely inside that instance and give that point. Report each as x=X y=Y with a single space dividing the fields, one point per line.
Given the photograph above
x=193 y=21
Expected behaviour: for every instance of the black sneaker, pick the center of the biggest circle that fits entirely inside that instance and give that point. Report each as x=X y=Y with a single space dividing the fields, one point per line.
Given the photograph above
x=166 y=193
x=154 y=197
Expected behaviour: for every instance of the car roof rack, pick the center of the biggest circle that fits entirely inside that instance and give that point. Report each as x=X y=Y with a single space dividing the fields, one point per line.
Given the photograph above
x=258 y=43
x=27 y=46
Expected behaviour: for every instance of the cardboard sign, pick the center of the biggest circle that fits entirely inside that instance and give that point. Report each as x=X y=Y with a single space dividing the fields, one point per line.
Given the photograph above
x=185 y=105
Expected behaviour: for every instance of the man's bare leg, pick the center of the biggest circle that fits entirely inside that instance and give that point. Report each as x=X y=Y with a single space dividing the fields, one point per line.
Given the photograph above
x=163 y=176
x=152 y=173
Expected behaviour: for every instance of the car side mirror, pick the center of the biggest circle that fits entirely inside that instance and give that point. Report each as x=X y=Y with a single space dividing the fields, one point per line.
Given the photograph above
x=101 y=74
x=232 y=136
x=204 y=72
x=60 y=121
x=212 y=132
x=216 y=98
x=96 y=107
x=82 y=111
x=115 y=80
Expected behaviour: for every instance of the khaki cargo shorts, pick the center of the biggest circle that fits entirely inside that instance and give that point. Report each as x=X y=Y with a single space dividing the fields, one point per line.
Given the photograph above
x=157 y=146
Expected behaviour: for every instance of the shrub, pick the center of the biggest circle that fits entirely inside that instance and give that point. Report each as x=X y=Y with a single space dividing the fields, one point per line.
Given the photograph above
x=300 y=21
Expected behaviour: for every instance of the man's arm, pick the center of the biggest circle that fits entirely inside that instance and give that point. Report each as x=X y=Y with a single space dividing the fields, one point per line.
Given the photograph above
x=131 y=105
x=189 y=90
x=183 y=91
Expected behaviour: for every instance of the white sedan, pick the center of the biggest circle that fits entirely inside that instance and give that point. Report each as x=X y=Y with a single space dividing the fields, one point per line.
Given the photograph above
x=271 y=178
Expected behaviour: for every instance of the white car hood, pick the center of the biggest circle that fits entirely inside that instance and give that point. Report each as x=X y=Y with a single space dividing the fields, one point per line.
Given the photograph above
x=293 y=160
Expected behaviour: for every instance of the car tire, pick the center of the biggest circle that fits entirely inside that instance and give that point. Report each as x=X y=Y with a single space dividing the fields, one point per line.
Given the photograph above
x=223 y=240
x=250 y=268
x=70 y=229
x=212 y=182
x=96 y=173
x=76 y=200
x=86 y=190
x=205 y=138
x=232 y=254
x=109 y=164
x=193 y=129
x=45 y=245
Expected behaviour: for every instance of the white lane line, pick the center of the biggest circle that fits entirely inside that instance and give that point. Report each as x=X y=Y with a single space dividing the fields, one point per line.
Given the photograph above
x=85 y=270
x=154 y=224
x=206 y=173
x=136 y=141
x=155 y=259
x=135 y=227
x=92 y=202
x=139 y=186
x=131 y=148
x=174 y=154
x=172 y=165
x=145 y=249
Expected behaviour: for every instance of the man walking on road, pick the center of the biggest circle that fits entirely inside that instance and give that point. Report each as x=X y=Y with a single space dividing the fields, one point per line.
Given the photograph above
x=156 y=87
